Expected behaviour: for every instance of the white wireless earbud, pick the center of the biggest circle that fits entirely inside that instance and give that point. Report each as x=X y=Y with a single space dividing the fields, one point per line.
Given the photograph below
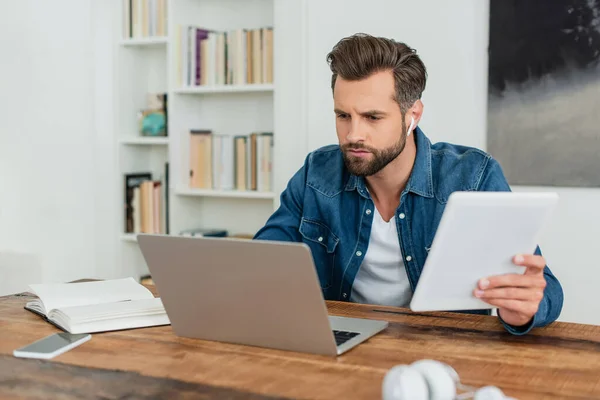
x=412 y=122
x=431 y=380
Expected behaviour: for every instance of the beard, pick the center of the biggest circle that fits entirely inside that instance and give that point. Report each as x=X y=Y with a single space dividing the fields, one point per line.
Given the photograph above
x=380 y=158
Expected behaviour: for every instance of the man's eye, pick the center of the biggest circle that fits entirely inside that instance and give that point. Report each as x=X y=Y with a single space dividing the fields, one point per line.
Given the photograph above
x=342 y=116
x=374 y=118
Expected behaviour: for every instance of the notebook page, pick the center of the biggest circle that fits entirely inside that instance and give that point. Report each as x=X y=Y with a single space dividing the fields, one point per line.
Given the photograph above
x=124 y=309
x=58 y=295
x=113 y=316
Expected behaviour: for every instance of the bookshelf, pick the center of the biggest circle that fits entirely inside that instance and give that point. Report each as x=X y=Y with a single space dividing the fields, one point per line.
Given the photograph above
x=148 y=141
x=147 y=41
x=239 y=103
x=141 y=82
x=129 y=237
x=241 y=194
x=239 y=107
x=226 y=89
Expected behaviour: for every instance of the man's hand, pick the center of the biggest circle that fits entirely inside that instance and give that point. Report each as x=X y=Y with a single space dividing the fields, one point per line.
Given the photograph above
x=516 y=296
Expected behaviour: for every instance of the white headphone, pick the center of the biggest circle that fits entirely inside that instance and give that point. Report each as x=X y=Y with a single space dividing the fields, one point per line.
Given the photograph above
x=431 y=380
x=412 y=122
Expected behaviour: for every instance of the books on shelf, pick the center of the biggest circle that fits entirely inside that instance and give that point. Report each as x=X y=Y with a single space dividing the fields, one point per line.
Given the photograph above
x=231 y=162
x=144 y=204
x=203 y=232
x=97 y=306
x=234 y=57
x=144 y=18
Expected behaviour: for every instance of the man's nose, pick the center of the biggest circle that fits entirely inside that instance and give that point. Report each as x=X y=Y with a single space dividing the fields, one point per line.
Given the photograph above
x=356 y=133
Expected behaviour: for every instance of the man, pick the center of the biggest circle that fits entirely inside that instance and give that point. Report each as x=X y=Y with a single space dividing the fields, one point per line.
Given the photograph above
x=369 y=208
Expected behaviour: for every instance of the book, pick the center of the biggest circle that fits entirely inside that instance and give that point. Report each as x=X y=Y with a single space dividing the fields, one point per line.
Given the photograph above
x=204 y=232
x=222 y=162
x=201 y=159
x=144 y=18
x=145 y=203
x=97 y=306
x=206 y=57
x=132 y=201
x=231 y=161
x=166 y=200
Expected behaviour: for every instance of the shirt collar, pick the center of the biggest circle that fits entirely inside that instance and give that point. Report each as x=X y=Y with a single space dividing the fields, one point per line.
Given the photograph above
x=420 y=181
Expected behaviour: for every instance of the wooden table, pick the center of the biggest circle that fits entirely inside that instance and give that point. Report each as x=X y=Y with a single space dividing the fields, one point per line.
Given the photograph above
x=561 y=361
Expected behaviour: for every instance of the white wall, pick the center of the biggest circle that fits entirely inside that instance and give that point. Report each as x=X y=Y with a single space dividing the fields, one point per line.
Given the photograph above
x=452 y=42
x=105 y=29
x=570 y=246
x=46 y=136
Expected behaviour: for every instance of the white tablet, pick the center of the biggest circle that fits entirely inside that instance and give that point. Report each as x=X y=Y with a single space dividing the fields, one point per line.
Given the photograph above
x=478 y=236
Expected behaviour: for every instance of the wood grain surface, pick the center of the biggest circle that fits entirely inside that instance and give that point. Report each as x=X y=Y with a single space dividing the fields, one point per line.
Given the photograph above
x=561 y=361
x=41 y=379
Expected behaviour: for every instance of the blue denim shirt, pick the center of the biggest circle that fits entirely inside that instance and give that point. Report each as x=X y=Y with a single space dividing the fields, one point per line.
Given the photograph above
x=330 y=210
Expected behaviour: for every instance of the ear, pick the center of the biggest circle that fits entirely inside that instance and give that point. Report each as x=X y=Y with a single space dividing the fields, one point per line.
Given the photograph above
x=416 y=111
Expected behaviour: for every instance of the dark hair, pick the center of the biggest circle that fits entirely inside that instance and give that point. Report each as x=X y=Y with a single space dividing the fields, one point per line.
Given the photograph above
x=358 y=56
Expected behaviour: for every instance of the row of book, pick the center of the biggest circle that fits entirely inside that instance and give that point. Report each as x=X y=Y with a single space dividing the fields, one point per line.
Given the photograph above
x=144 y=204
x=144 y=18
x=236 y=57
x=231 y=162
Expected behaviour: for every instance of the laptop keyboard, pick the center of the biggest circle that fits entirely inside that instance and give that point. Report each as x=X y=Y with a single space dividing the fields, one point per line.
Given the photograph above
x=343 y=336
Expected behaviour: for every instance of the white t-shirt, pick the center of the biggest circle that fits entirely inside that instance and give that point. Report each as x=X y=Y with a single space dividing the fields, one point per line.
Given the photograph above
x=382 y=277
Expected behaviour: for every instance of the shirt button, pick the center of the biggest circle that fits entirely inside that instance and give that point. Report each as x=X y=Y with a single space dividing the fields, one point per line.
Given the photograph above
x=408 y=258
x=359 y=253
x=344 y=295
x=368 y=211
x=320 y=239
x=402 y=215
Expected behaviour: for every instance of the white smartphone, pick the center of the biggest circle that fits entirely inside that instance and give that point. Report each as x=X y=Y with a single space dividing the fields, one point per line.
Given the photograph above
x=52 y=345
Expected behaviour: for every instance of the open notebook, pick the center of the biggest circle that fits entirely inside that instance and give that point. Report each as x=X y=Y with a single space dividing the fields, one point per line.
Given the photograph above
x=97 y=306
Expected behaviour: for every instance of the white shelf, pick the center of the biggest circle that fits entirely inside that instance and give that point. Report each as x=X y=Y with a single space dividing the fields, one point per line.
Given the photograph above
x=226 y=89
x=146 y=65
x=149 y=141
x=146 y=41
x=129 y=237
x=248 y=194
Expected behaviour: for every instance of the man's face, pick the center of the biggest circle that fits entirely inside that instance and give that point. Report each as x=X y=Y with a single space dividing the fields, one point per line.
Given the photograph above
x=369 y=123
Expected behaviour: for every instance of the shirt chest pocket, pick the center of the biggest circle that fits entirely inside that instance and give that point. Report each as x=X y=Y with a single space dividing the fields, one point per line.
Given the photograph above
x=322 y=242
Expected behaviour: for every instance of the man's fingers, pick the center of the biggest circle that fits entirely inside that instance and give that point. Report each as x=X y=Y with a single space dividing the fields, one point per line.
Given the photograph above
x=511 y=293
x=518 y=306
x=535 y=264
x=512 y=305
x=512 y=280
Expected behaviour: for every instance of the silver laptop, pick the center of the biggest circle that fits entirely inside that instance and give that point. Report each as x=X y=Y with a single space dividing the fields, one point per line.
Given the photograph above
x=251 y=292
